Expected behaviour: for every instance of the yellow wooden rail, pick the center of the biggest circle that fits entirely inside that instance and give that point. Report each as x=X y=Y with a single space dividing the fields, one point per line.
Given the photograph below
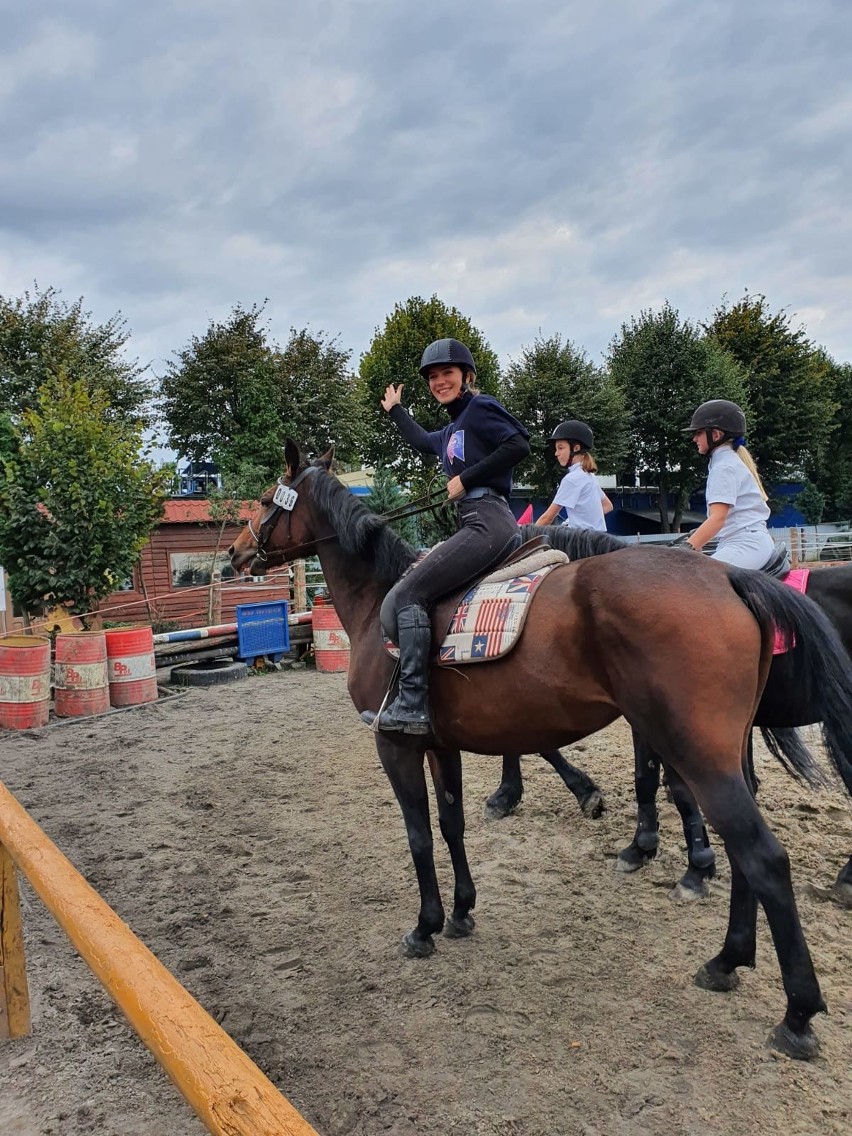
x=224 y=1087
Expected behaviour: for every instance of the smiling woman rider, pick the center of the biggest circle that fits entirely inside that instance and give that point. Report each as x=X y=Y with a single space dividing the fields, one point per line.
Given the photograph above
x=478 y=448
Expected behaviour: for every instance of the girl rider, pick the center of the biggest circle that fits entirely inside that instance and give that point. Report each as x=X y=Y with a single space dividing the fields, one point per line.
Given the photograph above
x=478 y=448
x=736 y=500
x=579 y=493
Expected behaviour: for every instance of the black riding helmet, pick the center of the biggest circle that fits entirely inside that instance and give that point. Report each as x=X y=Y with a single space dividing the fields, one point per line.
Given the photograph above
x=718 y=414
x=574 y=431
x=447 y=351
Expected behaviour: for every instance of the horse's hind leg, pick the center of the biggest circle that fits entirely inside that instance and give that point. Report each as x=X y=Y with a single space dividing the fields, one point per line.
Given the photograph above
x=760 y=870
x=843 y=885
x=646 y=839
x=402 y=761
x=445 y=765
x=506 y=798
x=701 y=857
x=509 y=793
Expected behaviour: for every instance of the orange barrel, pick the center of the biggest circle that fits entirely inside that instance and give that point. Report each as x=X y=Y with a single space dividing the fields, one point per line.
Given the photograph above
x=80 y=674
x=24 y=681
x=131 y=667
x=331 y=643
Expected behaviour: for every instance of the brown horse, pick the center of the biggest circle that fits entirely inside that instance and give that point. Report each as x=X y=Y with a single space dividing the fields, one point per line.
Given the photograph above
x=683 y=655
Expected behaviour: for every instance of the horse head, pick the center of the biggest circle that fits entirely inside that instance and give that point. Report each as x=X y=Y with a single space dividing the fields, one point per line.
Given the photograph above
x=282 y=525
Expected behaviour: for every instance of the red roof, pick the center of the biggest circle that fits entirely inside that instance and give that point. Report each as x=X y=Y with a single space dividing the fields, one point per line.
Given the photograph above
x=188 y=510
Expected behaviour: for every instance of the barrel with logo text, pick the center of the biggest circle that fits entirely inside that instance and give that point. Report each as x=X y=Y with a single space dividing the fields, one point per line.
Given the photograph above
x=331 y=643
x=80 y=674
x=24 y=681
x=131 y=666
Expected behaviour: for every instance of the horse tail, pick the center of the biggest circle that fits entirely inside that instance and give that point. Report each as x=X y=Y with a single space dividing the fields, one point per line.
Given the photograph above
x=821 y=668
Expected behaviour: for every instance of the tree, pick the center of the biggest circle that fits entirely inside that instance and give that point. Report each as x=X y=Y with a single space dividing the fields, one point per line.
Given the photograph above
x=76 y=498
x=666 y=369
x=789 y=387
x=394 y=357
x=386 y=496
x=219 y=396
x=554 y=380
x=43 y=337
x=833 y=476
x=233 y=395
x=317 y=395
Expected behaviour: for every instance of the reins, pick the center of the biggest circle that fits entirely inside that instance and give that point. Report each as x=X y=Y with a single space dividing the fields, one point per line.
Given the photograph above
x=428 y=501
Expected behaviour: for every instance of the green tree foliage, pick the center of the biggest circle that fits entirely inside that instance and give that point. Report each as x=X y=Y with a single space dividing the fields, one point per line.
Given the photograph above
x=77 y=500
x=789 y=387
x=219 y=396
x=833 y=477
x=386 y=496
x=666 y=369
x=811 y=503
x=554 y=380
x=233 y=396
x=394 y=357
x=42 y=337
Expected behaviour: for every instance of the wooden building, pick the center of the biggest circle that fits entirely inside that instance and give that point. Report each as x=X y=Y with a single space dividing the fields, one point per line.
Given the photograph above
x=171 y=581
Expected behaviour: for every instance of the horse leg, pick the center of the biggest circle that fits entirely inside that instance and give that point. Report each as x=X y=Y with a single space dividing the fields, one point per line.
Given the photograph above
x=401 y=756
x=701 y=857
x=760 y=870
x=508 y=794
x=589 y=797
x=646 y=839
x=446 y=768
x=843 y=885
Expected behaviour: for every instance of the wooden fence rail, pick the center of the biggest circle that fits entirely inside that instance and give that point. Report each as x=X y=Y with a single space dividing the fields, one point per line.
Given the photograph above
x=220 y=1082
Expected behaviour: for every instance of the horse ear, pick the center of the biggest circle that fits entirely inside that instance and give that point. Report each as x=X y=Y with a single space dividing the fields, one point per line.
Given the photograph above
x=326 y=459
x=292 y=457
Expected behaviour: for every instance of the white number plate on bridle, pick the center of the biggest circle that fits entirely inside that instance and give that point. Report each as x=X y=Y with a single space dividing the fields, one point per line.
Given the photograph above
x=285 y=498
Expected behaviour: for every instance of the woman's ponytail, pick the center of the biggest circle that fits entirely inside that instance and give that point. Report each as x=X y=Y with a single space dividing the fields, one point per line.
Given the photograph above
x=748 y=461
x=589 y=463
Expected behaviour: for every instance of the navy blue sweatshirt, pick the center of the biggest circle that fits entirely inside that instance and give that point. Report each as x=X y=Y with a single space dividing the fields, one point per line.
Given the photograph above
x=481 y=444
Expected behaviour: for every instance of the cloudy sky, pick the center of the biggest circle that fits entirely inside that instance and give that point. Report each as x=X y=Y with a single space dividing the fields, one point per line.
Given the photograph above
x=552 y=165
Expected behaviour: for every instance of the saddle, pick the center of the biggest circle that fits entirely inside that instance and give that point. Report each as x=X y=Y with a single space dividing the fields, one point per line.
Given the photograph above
x=485 y=621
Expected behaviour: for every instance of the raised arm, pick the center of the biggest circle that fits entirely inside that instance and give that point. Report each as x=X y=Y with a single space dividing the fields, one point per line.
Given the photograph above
x=424 y=441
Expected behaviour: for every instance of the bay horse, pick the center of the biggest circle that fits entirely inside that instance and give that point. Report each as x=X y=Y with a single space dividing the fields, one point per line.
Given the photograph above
x=624 y=634
x=784 y=705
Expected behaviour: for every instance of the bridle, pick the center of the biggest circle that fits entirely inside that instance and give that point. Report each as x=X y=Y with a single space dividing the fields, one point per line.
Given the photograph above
x=269 y=521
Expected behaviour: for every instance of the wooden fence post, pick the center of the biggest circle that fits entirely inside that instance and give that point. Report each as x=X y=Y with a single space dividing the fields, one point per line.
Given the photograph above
x=300 y=588
x=14 y=995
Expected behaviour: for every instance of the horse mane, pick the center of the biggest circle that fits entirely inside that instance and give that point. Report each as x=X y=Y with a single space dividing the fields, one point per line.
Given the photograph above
x=360 y=532
x=579 y=544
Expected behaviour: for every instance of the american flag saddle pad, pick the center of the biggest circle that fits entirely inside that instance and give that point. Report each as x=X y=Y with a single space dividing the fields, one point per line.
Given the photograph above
x=488 y=620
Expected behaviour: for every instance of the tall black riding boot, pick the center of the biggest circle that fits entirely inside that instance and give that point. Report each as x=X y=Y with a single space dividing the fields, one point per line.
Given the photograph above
x=409 y=710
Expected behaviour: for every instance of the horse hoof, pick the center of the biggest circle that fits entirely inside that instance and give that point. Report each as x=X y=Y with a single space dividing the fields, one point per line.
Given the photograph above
x=459 y=928
x=687 y=893
x=496 y=808
x=717 y=981
x=800 y=1046
x=413 y=947
x=842 y=893
x=632 y=858
x=593 y=806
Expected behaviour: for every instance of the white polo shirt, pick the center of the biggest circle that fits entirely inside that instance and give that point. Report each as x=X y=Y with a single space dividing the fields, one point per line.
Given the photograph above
x=730 y=482
x=580 y=496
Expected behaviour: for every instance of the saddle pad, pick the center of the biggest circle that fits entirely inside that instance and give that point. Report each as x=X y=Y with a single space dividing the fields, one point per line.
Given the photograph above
x=490 y=617
x=797 y=579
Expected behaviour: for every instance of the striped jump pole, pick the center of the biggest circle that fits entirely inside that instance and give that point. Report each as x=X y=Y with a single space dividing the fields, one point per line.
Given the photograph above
x=222 y=1085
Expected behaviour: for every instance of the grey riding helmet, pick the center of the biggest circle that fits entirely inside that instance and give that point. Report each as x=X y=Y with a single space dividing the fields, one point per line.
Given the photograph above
x=572 y=430
x=447 y=351
x=718 y=414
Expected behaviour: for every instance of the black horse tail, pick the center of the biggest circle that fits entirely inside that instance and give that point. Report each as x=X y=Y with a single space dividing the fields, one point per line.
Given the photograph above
x=820 y=666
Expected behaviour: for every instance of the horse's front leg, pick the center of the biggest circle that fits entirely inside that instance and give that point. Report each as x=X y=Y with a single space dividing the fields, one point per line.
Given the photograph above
x=646 y=839
x=508 y=794
x=445 y=765
x=402 y=760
